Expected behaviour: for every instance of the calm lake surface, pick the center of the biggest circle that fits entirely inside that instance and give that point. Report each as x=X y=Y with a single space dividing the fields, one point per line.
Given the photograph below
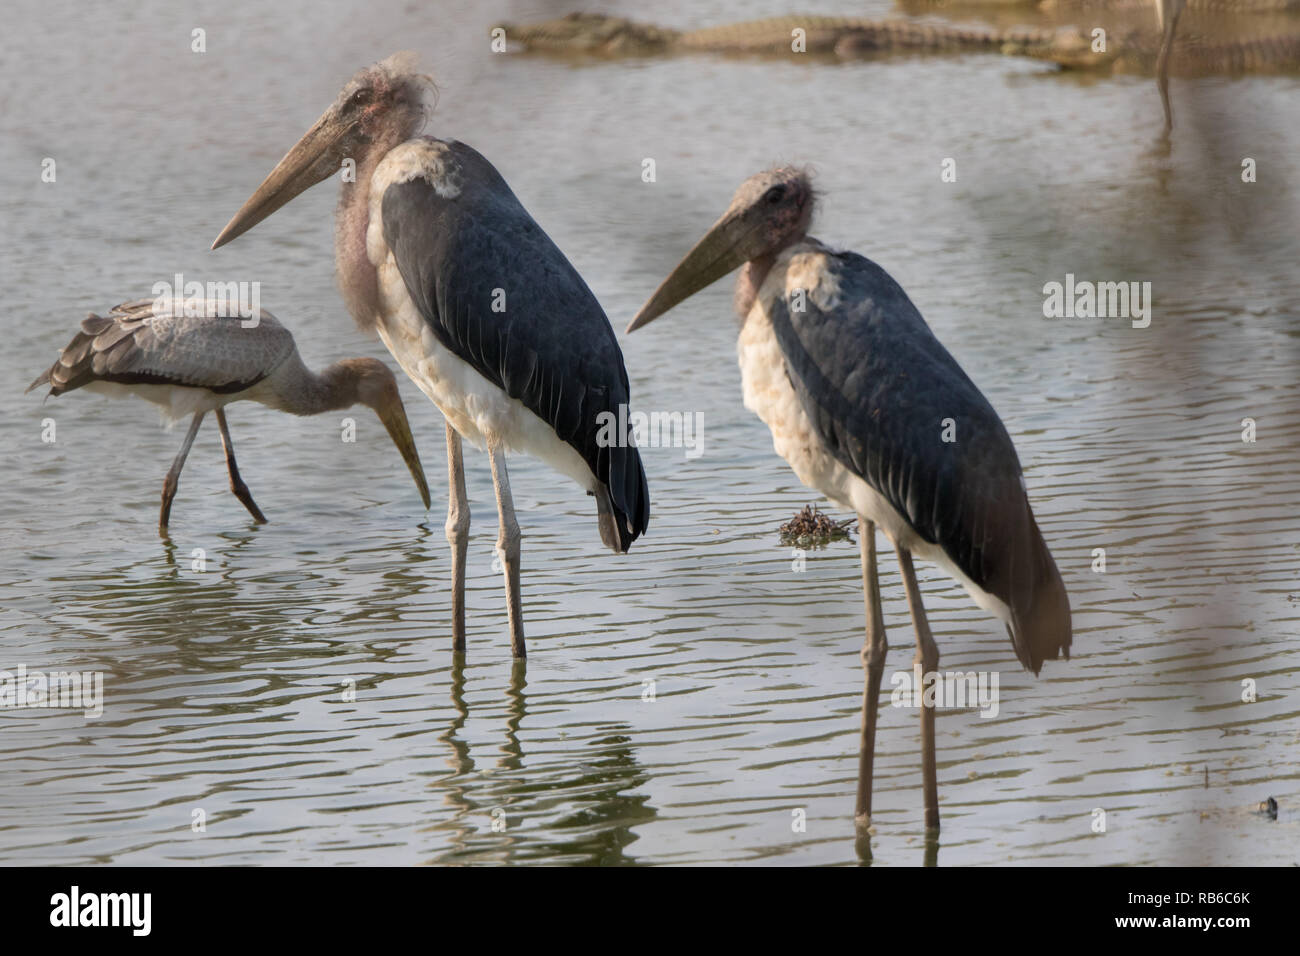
x=223 y=689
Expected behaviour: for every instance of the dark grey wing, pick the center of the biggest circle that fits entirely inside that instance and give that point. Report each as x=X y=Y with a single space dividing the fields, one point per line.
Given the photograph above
x=137 y=344
x=879 y=387
x=550 y=346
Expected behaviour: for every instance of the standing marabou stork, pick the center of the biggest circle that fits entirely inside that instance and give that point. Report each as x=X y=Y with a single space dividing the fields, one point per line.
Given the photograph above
x=476 y=303
x=858 y=392
x=191 y=359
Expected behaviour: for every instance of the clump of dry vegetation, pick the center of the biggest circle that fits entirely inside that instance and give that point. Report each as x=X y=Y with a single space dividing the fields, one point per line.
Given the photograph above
x=813 y=528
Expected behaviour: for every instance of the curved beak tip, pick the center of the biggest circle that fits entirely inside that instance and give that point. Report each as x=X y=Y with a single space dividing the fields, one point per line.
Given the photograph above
x=417 y=472
x=399 y=430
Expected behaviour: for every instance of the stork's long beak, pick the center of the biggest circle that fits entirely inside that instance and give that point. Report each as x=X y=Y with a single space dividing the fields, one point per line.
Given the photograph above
x=313 y=159
x=394 y=418
x=724 y=247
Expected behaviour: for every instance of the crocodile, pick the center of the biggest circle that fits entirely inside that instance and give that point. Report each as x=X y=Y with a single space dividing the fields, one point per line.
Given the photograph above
x=846 y=37
x=1145 y=6
x=1127 y=50
x=1195 y=6
x=1135 y=51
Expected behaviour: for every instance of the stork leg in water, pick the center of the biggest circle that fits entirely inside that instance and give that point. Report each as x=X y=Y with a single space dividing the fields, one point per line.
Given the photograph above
x=1167 y=14
x=927 y=657
x=174 y=474
x=873 y=666
x=873 y=663
x=236 y=483
x=457 y=534
x=508 y=545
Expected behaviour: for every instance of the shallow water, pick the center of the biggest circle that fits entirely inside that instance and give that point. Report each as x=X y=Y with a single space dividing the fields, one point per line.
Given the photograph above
x=223 y=688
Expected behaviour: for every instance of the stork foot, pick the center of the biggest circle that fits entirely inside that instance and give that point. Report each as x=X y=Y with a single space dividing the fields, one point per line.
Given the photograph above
x=242 y=493
x=165 y=512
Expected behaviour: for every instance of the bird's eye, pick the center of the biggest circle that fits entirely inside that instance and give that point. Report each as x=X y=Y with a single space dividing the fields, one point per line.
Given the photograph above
x=774 y=195
x=360 y=98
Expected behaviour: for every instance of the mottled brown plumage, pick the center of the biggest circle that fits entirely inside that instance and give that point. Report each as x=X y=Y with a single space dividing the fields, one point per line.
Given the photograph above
x=145 y=343
x=190 y=358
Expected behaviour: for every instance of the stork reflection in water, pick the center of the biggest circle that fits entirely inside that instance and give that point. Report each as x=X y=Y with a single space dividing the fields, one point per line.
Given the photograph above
x=190 y=358
x=480 y=308
x=857 y=391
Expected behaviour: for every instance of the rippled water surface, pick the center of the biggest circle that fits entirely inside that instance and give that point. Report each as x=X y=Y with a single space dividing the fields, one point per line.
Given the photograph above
x=224 y=688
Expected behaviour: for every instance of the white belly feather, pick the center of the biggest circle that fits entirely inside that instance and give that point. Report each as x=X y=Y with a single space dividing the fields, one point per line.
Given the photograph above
x=175 y=401
x=769 y=394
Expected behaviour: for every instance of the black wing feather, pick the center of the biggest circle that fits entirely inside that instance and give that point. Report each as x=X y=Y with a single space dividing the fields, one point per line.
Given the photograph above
x=551 y=348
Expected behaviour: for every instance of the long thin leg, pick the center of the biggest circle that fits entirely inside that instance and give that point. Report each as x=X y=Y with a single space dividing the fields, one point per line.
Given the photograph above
x=927 y=655
x=1167 y=13
x=174 y=474
x=508 y=545
x=457 y=528
x=236 y=483
x=873 y=666
x=1162 y=84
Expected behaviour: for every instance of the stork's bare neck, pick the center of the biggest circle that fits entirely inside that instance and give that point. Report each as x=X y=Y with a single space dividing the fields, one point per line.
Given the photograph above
x=356 y=274
x=296 y=389
x=752 y=275
x=749 y=280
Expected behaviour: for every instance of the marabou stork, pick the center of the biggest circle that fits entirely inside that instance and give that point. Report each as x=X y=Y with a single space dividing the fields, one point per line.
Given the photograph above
x=856 y=390
x=191 y=358
x=476 y=303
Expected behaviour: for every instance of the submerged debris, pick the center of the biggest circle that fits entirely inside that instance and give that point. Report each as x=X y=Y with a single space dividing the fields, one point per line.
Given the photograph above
x=814 y=528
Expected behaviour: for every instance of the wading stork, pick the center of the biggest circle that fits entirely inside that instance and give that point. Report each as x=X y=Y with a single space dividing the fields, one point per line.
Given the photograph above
x=870 y=409
x=190 y=358
x=476 y=303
